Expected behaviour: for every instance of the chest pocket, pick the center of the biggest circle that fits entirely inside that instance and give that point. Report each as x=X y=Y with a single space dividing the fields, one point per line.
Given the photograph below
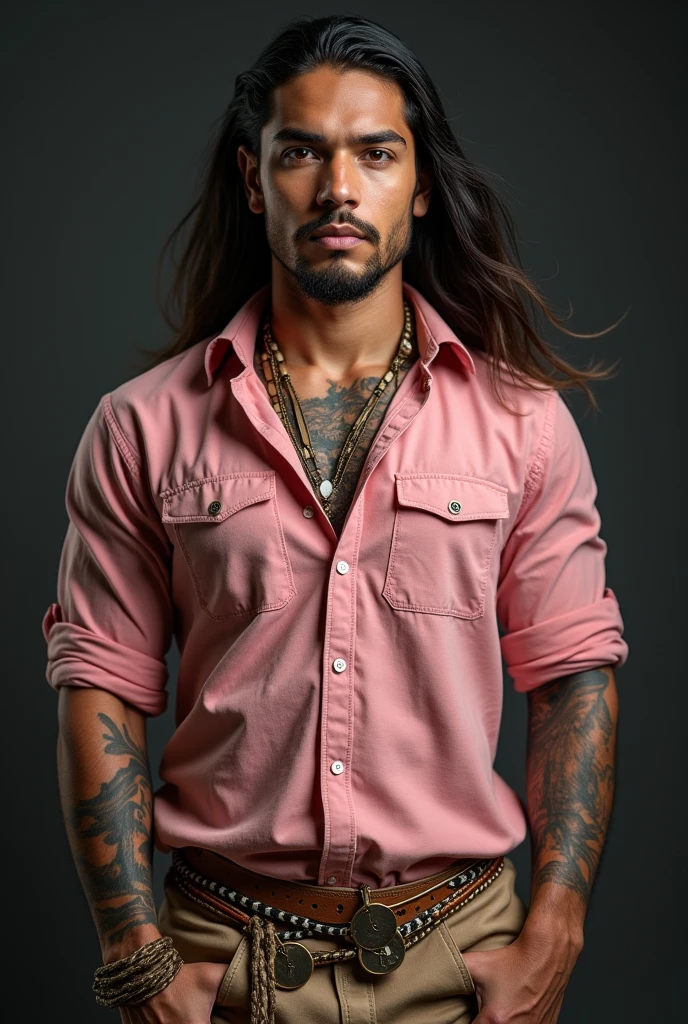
x=445 y=528
x=229 y=531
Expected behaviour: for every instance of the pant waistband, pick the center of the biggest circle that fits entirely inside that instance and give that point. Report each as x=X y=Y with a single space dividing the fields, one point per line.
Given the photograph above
x=331 y=904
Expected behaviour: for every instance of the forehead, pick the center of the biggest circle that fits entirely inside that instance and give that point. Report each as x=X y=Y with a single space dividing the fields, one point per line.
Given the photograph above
x=332 y=102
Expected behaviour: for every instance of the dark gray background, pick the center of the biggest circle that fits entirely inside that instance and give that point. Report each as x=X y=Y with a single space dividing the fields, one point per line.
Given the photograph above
x=577 y=109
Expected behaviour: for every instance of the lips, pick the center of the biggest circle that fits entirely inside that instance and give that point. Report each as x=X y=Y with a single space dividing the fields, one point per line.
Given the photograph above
x=343 y=237
x=337 y=241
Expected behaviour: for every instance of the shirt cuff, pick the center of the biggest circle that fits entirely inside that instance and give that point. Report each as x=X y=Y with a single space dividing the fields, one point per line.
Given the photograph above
x=581 y=639
x=78 y=657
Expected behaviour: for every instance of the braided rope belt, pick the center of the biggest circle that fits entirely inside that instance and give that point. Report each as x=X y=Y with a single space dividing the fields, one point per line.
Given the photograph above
x=279 y=959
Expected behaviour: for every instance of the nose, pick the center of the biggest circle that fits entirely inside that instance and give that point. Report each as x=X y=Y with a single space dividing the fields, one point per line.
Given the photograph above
x=339 y=183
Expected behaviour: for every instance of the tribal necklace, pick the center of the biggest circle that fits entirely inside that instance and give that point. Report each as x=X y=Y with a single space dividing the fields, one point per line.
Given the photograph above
x=279 y=381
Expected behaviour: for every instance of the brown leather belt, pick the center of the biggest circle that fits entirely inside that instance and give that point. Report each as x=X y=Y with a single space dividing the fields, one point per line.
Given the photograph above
x=330 y=904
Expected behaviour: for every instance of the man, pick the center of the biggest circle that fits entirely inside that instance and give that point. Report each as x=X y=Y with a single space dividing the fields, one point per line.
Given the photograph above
x=349 y=469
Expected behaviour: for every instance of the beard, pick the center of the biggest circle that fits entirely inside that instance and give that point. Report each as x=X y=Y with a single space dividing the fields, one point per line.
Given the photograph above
x=335 y=283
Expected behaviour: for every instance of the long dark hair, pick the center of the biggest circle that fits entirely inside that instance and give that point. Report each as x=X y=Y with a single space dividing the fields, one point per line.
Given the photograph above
x=464 y=258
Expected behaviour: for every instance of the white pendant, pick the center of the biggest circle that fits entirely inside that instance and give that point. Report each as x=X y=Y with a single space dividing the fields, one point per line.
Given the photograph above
x=326 y=488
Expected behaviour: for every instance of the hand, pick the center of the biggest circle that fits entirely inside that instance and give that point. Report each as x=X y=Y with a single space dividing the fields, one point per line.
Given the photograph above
x=522 y=983
x=188 y=999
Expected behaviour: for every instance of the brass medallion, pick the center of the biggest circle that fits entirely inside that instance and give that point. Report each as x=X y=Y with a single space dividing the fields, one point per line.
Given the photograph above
x=384 y=960
x=293 y=964
x=373 y=926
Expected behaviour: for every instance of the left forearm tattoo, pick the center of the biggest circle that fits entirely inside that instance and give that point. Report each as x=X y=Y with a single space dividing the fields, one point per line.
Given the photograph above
x=570 y=777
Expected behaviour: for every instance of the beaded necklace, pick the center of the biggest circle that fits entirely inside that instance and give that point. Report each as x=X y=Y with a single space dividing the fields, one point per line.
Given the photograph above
x=278 y=381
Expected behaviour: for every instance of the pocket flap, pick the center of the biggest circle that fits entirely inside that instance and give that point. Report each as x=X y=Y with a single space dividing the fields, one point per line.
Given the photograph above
x=214 y=498
x=455 y=498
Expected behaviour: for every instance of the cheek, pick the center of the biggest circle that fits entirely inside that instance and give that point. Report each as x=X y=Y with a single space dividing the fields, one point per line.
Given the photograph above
x=292 y=193
x=387 y=196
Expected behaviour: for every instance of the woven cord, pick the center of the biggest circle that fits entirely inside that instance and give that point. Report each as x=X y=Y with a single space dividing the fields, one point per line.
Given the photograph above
x=263 y=947
x=139 y=976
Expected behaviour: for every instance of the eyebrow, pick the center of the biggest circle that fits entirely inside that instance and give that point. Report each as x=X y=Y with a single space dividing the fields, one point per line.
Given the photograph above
x=299 y=135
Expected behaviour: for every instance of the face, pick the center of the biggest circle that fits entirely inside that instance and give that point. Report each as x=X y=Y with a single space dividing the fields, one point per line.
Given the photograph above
x=336 y=152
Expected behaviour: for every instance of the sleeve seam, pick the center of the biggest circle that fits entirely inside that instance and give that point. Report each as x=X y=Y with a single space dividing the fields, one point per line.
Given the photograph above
x=126 y=450
x=543 y=449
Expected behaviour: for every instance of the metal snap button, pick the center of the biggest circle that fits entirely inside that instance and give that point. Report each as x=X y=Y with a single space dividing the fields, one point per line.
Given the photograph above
x=214 y=507
x=309 y=512
x=339 y=664
x=455 y=507
x=336 y=767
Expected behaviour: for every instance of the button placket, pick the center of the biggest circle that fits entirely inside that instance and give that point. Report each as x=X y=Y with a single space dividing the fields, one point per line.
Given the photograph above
x=337 y=732
x=337 y=714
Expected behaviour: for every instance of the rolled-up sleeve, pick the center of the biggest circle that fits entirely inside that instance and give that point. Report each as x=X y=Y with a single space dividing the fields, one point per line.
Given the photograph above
x=111 y=625
x=557 y=614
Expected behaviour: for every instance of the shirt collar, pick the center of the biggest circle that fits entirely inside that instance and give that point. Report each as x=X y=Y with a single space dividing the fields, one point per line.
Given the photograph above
x=240 y=333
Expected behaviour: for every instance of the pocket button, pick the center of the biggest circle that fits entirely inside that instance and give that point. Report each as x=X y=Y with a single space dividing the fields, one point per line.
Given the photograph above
x=214 y=507
x=454 y=507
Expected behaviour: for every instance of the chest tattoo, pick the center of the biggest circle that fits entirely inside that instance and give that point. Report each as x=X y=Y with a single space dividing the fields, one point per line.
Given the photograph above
x=329 y=419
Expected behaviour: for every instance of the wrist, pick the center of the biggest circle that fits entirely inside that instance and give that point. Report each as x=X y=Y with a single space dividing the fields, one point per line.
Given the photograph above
x=556 y=916
x=129 y=943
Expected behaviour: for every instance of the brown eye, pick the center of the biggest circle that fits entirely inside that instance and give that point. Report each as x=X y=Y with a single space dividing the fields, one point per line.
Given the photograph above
x=381 y=153
x=299 y=149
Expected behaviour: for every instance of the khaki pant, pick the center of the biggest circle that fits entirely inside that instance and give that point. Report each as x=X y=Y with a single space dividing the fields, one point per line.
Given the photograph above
x=431 y=986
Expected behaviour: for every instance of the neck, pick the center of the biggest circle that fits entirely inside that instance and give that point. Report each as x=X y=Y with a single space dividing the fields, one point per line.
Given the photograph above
x=342 y=341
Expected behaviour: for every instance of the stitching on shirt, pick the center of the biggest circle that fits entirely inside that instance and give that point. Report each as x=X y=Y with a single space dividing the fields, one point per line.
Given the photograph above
x=391 y=581
x=203 y=517
x=249 y=311
x=454 y=476
x=170 y=491
x=125 y=449
x=543 y=449
x=503 y=512
x=280 y=533
x=352 y=652
x=266 y=606
x=207 y=518
x=324 y=777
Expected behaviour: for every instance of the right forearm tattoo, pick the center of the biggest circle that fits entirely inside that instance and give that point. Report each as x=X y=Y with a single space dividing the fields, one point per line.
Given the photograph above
x=119 y=817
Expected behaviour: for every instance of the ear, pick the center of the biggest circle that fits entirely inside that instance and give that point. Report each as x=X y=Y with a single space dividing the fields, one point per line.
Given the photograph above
x=421 y=196
x=248 y=167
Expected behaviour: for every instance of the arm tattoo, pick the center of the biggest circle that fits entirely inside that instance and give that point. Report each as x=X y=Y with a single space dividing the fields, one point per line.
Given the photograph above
x=570 y=777
x=120 y=816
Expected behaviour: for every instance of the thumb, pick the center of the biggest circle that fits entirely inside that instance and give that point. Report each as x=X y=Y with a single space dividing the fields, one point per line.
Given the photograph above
x=477 y=963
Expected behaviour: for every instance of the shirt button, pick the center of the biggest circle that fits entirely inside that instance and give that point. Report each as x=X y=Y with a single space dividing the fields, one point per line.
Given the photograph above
x=454 y=507
x=342 y=567
x=336 y=767
x=214 y=507
x=309 y=512
x=339 y=664
x=332 y=880
x=427 y=383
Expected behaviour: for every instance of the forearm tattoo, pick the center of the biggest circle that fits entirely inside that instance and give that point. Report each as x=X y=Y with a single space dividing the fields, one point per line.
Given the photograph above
x=119 y=817
x=570 y=777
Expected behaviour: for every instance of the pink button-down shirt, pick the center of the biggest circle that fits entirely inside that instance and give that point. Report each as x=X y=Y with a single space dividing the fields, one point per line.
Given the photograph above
x=338 y=699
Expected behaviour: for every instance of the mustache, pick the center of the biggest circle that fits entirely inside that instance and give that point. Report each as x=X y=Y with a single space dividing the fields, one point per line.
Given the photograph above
x=306 y=230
